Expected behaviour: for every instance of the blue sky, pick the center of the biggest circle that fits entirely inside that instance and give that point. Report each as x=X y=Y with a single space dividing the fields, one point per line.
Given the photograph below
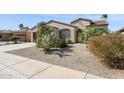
x=11 y=21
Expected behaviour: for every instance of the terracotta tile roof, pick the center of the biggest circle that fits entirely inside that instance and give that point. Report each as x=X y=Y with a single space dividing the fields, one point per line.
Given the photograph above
x=101 y=22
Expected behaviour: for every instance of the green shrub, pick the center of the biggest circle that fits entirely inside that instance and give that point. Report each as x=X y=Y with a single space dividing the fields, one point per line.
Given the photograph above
x=45 y=38
x=81 y=37
x=68 y=41
x=110 y=48
x=14 y=39
x=93 y=31
x=63 y=44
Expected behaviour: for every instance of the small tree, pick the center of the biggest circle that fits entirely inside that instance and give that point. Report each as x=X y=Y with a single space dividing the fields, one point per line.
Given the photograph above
x=83 y=37
x=104 y=16
x=14 y=39
x=45 y=38
x=21 y=26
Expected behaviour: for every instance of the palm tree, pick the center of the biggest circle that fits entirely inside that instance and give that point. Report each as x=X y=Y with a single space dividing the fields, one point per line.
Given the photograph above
x=21 y=26
x=104 y=16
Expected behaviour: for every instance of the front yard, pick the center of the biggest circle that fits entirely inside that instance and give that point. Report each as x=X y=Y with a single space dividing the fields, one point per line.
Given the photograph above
x=76 y=57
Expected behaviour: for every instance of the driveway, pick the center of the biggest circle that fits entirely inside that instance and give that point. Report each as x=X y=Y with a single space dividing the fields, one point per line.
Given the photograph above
x=17 y=67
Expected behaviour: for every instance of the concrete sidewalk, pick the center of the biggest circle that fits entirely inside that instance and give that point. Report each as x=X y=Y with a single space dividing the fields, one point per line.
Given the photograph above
x=17 y=67
x=15 y=46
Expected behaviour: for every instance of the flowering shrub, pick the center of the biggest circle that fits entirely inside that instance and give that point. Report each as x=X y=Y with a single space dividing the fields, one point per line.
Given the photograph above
x=45 y=38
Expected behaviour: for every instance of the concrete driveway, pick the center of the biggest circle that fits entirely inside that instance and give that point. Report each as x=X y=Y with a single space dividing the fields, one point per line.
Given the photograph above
x=17 y=67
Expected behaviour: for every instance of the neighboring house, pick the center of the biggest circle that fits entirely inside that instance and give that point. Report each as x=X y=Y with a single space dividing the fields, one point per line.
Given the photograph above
x=103 y=24
x=61 y=30
x=5 y=34
x=24 y=35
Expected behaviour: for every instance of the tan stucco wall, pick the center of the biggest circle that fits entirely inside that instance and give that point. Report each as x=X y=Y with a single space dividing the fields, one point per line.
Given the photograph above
x=62 y=26
x=21 y=35
x=81 y=24
x=25 y=36
x=29 y=36
x=5 y=36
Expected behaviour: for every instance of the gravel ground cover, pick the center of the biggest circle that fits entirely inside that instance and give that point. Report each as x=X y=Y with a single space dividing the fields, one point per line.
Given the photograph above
x=76 y=57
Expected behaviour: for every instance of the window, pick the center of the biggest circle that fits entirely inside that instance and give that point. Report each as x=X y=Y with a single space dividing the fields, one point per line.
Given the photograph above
x=0 y=36
x=65 y=33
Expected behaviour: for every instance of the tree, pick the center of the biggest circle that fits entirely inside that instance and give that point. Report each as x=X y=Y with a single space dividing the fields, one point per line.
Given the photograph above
x=83 y=37
x=104 y=16
x=93 y=31
x=45 y=38
x=21 y=26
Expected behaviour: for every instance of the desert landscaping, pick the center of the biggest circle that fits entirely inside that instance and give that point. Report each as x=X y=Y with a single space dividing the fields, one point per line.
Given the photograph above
x=76 y=57
x=90 y=48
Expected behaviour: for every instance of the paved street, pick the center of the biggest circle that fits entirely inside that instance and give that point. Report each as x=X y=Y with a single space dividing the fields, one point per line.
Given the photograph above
x=17 y=67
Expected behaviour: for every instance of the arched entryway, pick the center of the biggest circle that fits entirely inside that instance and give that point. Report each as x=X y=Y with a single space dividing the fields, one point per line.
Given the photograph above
x=34 y=36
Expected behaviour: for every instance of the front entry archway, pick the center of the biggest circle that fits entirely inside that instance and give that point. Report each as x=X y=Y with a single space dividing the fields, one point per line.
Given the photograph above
x=34 y=36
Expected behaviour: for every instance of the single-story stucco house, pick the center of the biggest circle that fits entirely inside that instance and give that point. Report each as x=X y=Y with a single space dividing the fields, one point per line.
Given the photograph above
x=24 y=35
x=70 y=31
x=62 y=30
